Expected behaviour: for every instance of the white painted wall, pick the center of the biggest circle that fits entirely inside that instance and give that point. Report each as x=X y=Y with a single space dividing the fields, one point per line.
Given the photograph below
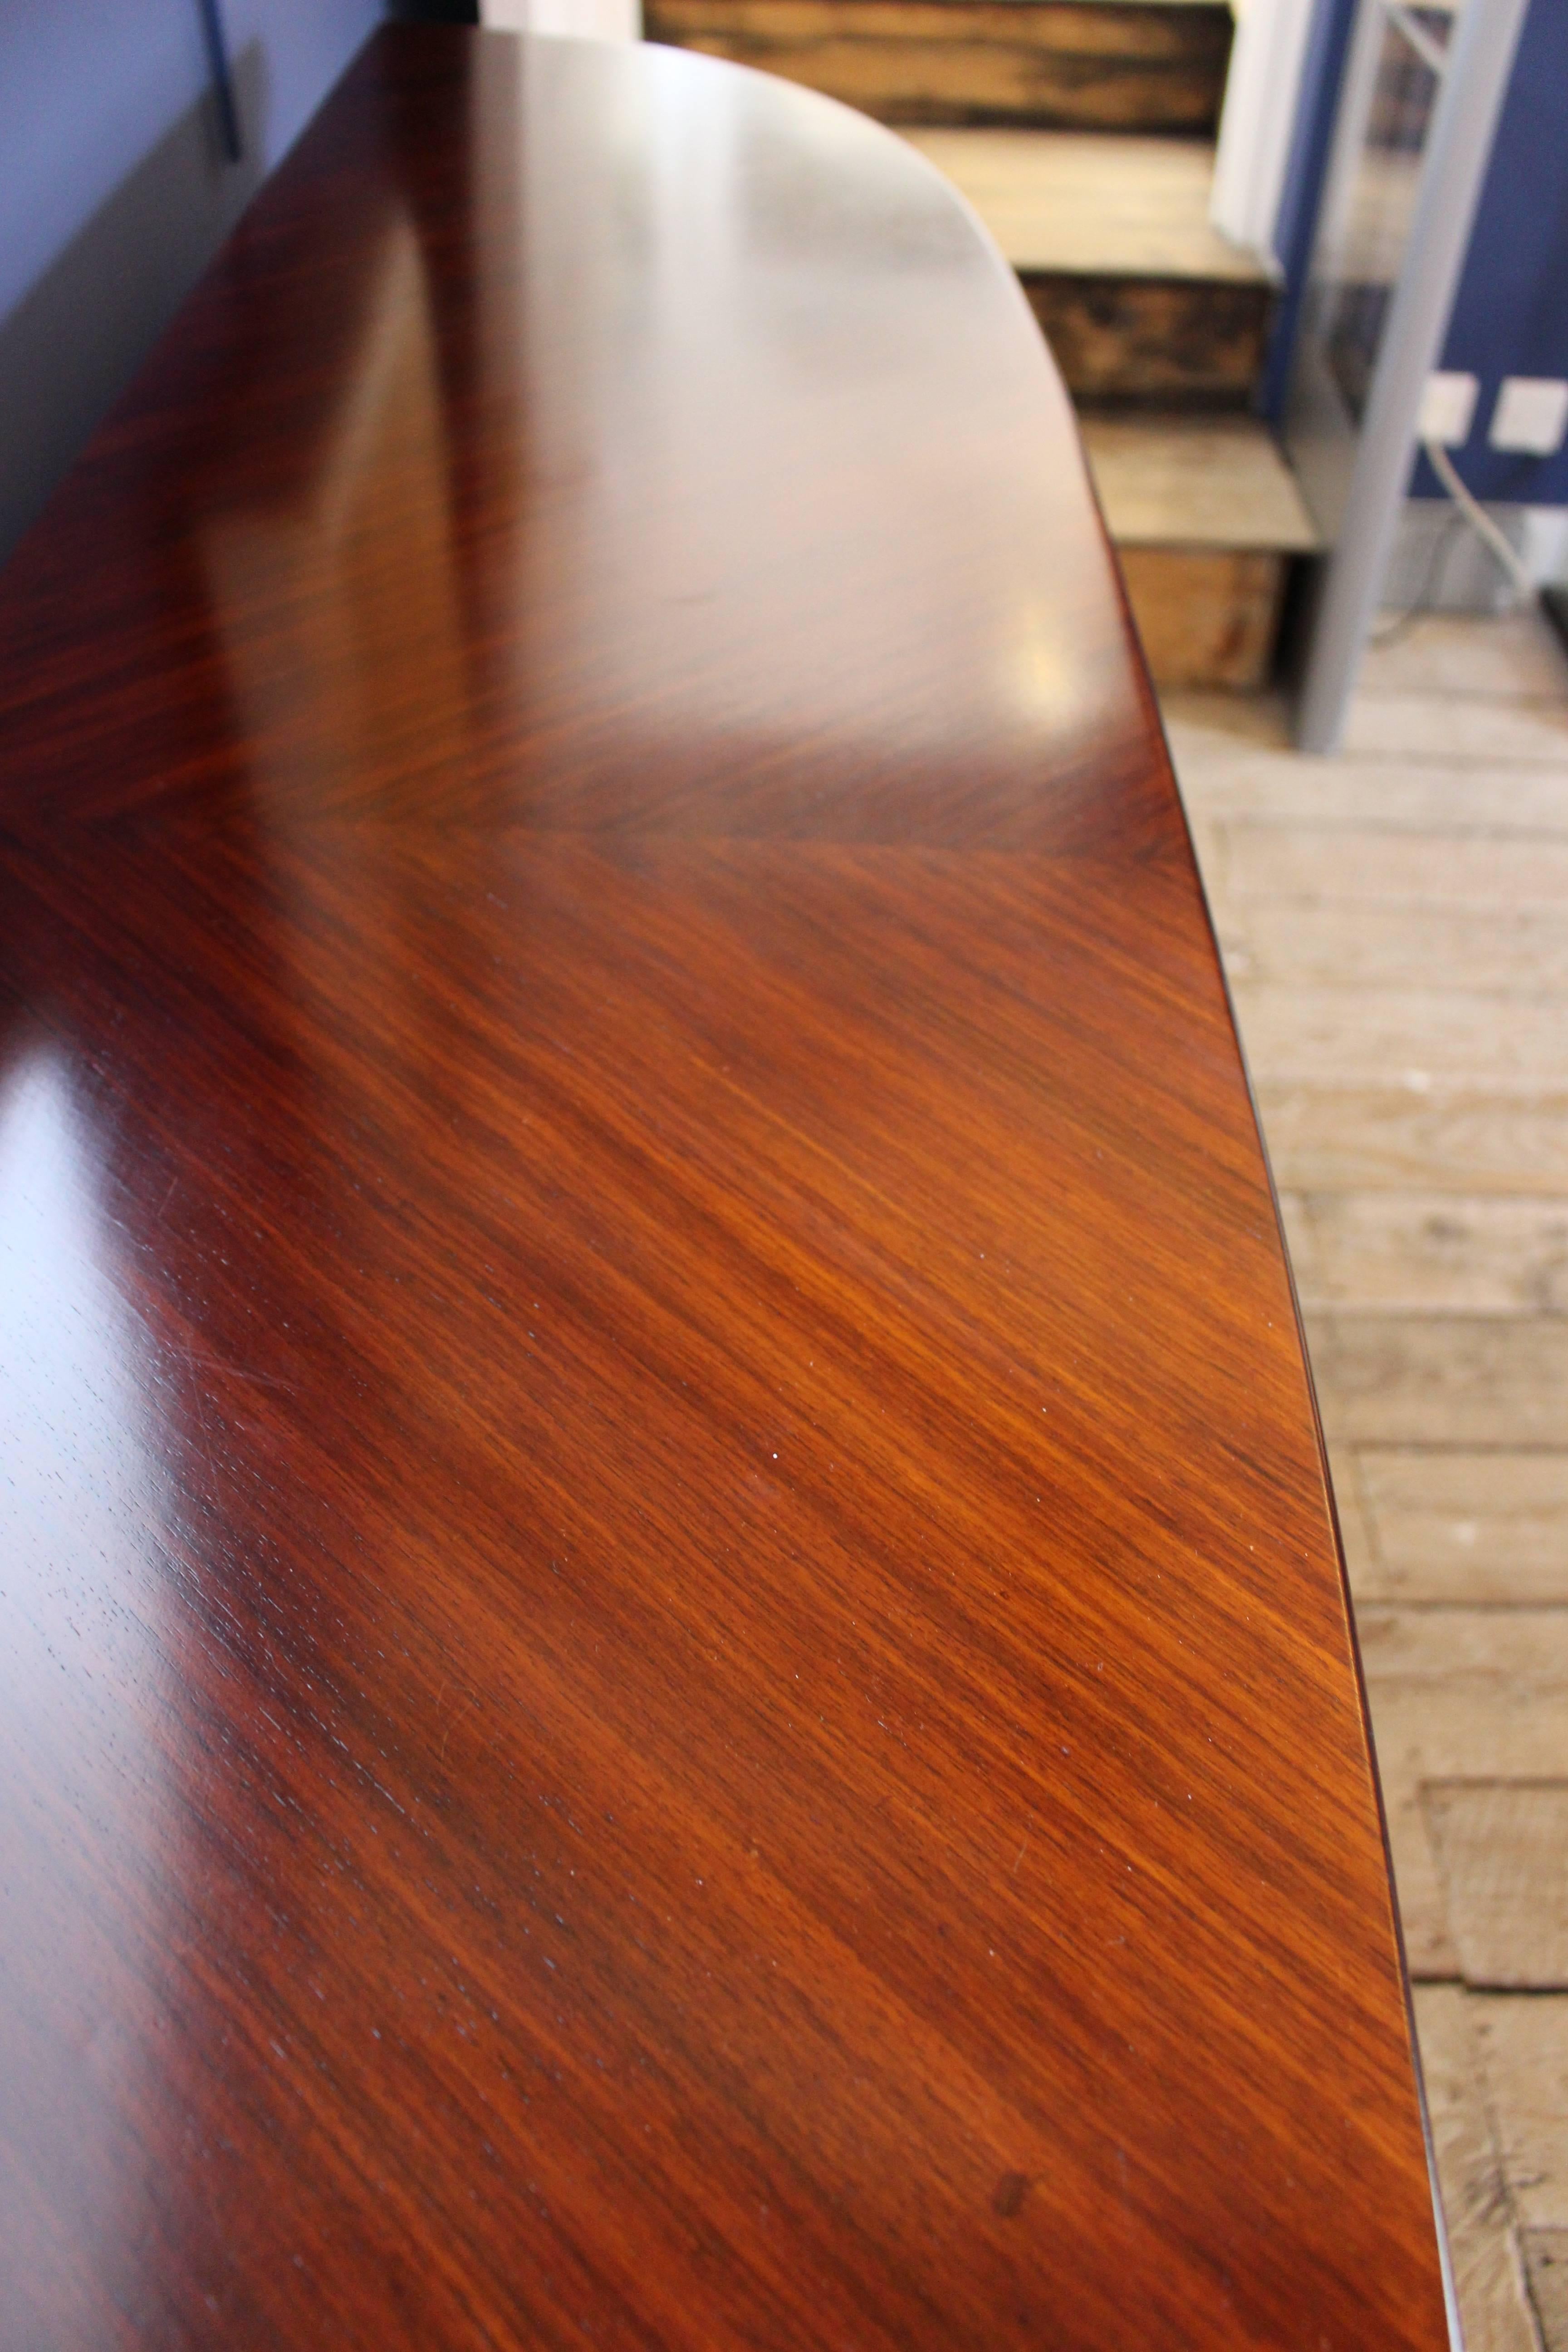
x=1257 y=122
x=595 y=20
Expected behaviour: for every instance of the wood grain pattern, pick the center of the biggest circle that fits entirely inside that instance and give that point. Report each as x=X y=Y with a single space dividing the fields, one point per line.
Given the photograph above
x=674 y=1668
x=1206 y=617
x=1488 y=2273
x=1524 y=2050
x=1467 y=1526
x=1545 y=2255
x=1341 y=1137
x=1215 y=482
x=1132 y=65
x=1182 y=342
x=1102 y=201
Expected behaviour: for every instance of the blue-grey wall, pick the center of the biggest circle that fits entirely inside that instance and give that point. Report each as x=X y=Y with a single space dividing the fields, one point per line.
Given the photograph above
x=1510 y=315
x=114 y=193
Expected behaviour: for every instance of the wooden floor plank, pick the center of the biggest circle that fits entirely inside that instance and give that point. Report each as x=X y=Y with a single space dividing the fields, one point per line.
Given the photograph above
x=1223 y=775
x=1480 y=727
x=1430 y=1379
x=1524 y=2050
x=1445 y=655
x=1417 y=1038
x=1487 y=2274
x=1441 y=1254
x=1362 y=865
x=1505 y=951
x=1457 y=1695
x=1489 y=1651
x=1546 y=2269
x=1456 y=1525
x=1501 y=1848
x=1344 y=1138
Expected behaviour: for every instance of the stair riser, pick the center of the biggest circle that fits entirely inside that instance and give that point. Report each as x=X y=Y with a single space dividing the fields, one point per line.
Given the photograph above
x=1208 y=618
x=1185 y=342
x=1066 y=66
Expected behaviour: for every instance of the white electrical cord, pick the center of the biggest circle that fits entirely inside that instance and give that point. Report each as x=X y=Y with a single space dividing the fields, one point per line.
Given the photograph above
x=1481 y=522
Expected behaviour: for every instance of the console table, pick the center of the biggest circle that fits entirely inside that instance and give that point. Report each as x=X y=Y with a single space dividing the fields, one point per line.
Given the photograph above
x=675 y=1672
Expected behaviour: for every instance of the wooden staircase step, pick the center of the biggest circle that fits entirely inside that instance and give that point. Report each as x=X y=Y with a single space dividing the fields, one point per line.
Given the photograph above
x=1206 y=517
x=1195 y=481
x=1090 y=203
x=1100 y=65
x=1139 y=297
x=1168 y=340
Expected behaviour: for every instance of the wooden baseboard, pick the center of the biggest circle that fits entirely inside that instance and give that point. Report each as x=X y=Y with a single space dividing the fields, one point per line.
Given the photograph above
x=1207 y=617
x=1158 y=66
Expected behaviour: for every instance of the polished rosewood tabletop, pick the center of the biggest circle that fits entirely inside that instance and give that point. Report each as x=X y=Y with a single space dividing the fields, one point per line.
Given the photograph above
x=675 y=1668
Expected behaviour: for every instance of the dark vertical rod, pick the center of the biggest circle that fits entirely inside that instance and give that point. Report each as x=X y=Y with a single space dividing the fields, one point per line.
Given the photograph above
x=223 y=78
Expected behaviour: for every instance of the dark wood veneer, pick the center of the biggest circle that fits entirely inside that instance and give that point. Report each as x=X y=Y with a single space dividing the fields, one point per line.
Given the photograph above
x=1139 y=65
x=675 y=1671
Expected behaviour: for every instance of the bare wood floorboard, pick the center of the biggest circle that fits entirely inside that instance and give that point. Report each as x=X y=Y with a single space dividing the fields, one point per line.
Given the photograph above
x=1546 y=2262
x=1410 y=1133
x=1395 y=925
x=1481 y=726
x=1522 y=951
x=1439 y=1380
x=1501 y=1848
x=1351 y=864
x=1524 y=2050
x=1245 y=780
x=1429 y=1253
x=1453 y=1525
x=1416 y=1038
x=1446 y=656
x=1486 y=2266
x=1467 y=1696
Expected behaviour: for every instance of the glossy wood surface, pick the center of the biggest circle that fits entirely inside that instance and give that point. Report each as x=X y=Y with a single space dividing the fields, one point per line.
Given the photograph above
x=674 y=1667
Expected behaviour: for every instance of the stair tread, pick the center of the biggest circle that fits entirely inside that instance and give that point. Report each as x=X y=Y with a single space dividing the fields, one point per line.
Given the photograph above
x=1216 y=8
x=1198 y=482
x=1092 y=203
x=1227 y=7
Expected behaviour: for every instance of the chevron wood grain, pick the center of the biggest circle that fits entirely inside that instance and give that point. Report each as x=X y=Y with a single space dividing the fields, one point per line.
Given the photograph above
x=675 y=1667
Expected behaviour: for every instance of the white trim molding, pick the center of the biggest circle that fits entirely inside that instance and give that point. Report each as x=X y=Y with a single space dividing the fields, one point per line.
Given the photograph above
x=1256 y=125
